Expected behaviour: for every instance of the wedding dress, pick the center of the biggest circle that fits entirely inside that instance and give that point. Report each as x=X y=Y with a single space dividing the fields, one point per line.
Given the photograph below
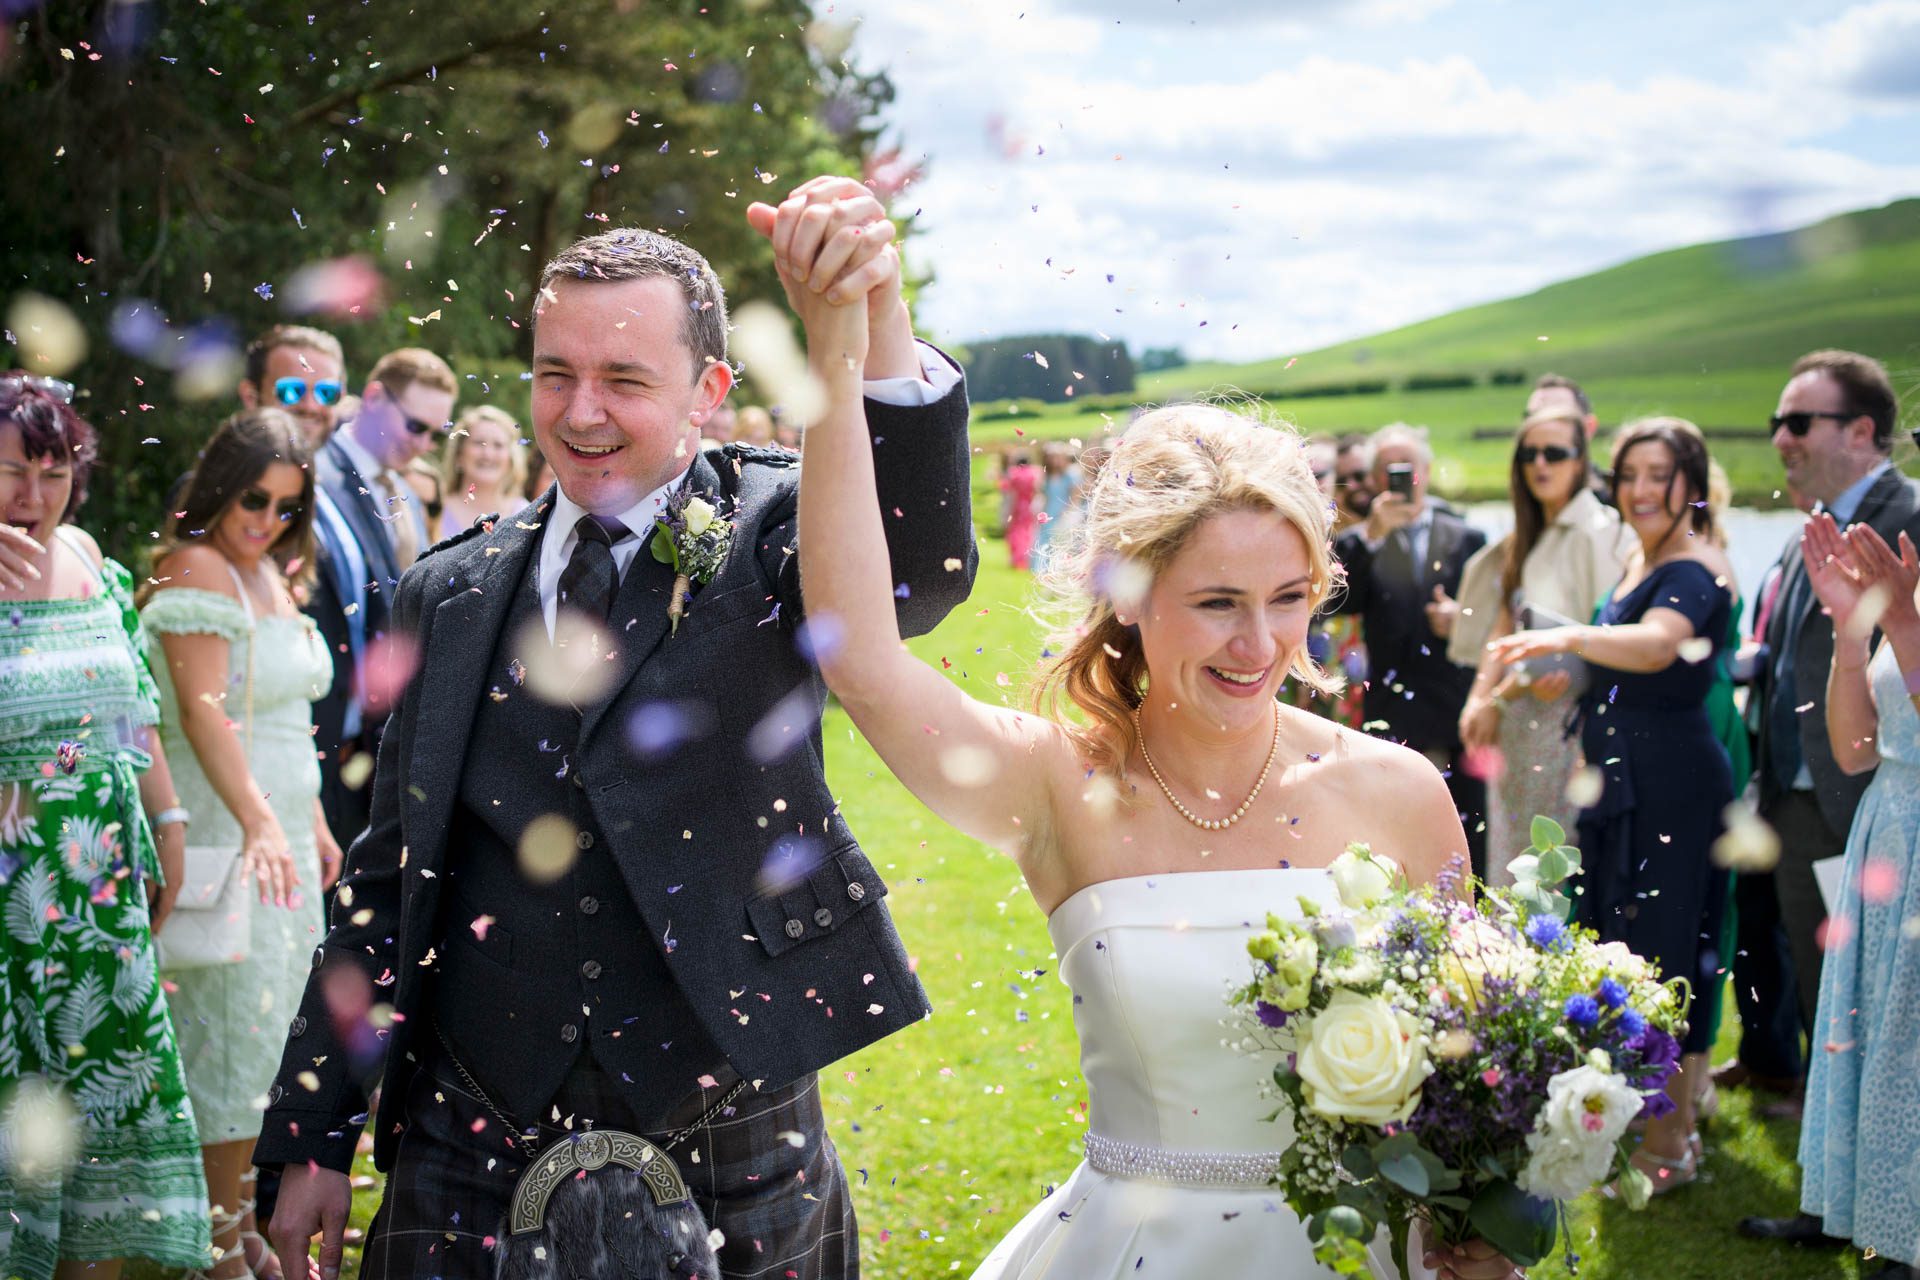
x=1179 y=1144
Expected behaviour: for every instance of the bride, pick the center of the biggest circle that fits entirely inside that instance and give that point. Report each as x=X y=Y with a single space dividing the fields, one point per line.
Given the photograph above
x=1182 y=805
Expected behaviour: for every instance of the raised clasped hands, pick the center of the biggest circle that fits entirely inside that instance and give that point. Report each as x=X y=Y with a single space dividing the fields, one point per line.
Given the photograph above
x=833 y=246
x=1859 y=580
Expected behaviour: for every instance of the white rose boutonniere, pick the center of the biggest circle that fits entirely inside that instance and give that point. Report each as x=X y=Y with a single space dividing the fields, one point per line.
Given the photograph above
x=693 y=537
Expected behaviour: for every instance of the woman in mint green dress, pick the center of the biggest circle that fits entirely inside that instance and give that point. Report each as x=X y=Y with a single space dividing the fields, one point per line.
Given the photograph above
x=242 y=666
x=99 y=1154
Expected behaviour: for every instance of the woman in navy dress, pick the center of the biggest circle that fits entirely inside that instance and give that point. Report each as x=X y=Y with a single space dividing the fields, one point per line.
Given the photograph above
x=1646 y=842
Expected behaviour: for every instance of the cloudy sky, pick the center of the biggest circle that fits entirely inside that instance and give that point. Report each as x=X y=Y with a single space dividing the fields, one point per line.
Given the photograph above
x=1245 y=178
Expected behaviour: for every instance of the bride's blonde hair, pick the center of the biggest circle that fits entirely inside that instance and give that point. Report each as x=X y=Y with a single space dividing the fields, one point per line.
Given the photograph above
x=1172 y=470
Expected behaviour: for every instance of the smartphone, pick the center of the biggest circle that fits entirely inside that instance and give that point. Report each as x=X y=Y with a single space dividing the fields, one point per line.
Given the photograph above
x=1400 y=479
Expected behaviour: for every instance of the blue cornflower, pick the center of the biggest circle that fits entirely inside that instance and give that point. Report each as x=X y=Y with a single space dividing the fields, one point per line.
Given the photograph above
x=1546 y=932
x=1632 y=1024
x=1582 y=1010
x=1612 y=994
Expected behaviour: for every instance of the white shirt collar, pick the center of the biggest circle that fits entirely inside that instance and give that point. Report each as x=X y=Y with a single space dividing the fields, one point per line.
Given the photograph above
x=364 y=462
x=556 y=546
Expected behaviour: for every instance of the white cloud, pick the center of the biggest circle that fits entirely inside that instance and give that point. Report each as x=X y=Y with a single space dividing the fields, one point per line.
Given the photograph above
x=1870 y=52
x=1319 y=196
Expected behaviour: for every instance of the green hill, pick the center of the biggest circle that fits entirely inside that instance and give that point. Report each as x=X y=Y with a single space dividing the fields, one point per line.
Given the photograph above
x=1850 y=281
x=1706 y=332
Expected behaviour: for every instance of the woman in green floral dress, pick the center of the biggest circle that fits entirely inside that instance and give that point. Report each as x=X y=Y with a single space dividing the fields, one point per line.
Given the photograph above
x=99 y=1152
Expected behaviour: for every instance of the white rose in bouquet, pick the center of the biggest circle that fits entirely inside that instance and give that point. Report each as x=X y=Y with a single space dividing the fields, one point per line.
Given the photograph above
x=1362 y=877
x=1480 y=950
x=1363 y=1060
x=1573 y=1139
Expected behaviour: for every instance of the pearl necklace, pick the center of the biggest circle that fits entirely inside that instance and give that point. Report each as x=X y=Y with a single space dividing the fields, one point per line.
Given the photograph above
x=1210 y=824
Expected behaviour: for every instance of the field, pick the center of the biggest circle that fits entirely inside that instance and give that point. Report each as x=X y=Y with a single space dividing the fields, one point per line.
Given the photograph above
x=952 y=1129
x=1706 y=332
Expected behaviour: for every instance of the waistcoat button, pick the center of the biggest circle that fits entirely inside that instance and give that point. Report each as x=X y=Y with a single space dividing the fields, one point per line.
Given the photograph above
x=584 y=839
x=299 y=1027
x=589 y=905
x=795 y=928
x=857 y=891
x=823 y=918
x=590 y=970
x=569 y=1033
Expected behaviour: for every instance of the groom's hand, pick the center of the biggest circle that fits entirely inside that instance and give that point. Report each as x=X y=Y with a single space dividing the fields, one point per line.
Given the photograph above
x=831 y=240
x=313 y=1202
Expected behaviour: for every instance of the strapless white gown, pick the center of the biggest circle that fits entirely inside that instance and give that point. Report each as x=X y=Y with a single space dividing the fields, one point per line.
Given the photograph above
x=1150 y=960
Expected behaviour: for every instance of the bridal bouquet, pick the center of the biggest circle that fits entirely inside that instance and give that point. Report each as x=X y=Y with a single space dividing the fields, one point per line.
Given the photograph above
x=1474 y=1064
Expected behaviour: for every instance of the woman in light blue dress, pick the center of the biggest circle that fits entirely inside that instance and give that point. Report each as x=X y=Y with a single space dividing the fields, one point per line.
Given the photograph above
x=241 y=667
x=1860 y=1139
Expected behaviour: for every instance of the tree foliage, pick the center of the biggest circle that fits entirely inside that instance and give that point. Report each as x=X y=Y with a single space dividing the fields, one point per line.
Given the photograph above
x=1053 y=367
x=173 y=165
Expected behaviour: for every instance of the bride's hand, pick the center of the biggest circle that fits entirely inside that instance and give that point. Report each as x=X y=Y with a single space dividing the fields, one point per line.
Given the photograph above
x=1474 y=1260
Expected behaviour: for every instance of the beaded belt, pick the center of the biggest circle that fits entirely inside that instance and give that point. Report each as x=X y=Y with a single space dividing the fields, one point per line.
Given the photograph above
x=1189 y=1168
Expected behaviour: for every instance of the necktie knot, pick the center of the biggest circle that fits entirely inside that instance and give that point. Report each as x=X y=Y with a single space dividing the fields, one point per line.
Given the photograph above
x=606 y=530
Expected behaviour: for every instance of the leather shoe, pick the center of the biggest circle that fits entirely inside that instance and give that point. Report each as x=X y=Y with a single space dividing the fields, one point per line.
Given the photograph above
x=1738 y=1075
x=1791 y=1107
x=1802 y=1229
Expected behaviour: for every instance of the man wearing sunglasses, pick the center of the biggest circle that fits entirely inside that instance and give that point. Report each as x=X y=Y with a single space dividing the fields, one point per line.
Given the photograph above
x=404 y=413
x=1833 y=430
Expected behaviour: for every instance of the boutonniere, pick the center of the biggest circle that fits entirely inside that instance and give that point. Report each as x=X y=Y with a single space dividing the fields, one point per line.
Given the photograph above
x=693 y=537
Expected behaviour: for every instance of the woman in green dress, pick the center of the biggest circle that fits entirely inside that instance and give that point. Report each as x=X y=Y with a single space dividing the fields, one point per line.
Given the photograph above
x=99 y=1152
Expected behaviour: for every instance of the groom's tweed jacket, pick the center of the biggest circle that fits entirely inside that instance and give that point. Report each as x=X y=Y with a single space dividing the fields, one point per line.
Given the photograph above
x=730 y=846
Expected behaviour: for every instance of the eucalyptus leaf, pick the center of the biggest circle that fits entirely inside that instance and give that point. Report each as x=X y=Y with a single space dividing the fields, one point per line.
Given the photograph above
x=1547 y=833
x=1407 y=1173
x=1553 y=867
x=1518 y=1225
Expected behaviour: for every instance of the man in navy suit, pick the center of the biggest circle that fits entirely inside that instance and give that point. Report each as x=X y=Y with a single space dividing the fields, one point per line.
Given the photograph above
x=605 y=884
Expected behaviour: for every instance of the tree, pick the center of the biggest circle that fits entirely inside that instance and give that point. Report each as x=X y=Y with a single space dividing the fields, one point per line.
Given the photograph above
x=1048 y=366
x=173 y=166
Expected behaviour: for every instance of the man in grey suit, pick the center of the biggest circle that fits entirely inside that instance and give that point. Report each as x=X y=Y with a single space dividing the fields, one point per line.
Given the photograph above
x=605 y=886
x=1834 y=433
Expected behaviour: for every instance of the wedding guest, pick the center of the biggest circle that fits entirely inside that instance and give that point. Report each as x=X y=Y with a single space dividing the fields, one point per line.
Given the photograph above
x=406 y=409
x=1860 y=1142
x=1406 y=557
x=1020 y=486
x=1565 y=552
x=1648 y=878
x=1352 y=480
x=753 y=426
x=92 y=838
x=486 y=469
x=1557 y=393
x=786 y=432
x=1833 y=429
x=240 y=665
x=1060 y=500
x=423 y=477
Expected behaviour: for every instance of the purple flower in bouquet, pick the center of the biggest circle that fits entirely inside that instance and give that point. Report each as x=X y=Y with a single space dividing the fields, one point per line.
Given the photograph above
x=1547 y=933
x=1612 y=994
x=1270 y=1015
x=1659 y=1058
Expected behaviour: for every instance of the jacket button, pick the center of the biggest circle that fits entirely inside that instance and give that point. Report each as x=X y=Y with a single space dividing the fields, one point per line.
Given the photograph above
x=795 y=928
x=589 y=905
x=579 y=782
x=275 y=1094
x=823 y=918
x=299 y=1027
x=584 y=840
x=569 y=1033
x=857 y=891
x=590 y=970
x=319 y=956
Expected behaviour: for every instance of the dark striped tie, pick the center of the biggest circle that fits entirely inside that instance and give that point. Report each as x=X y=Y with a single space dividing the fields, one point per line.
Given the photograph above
x=588 y=582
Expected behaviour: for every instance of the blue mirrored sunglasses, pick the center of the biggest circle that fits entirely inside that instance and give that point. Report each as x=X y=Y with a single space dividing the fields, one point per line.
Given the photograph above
x=291 y=391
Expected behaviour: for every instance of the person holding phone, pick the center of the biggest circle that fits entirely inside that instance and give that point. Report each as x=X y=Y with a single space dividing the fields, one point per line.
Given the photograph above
x=1403 y=565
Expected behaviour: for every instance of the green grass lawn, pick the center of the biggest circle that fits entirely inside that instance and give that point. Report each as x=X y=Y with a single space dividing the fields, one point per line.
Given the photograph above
x=952 y=1129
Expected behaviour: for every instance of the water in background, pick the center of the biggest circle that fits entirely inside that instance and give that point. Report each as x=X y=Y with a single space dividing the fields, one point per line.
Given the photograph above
x=1754 y=538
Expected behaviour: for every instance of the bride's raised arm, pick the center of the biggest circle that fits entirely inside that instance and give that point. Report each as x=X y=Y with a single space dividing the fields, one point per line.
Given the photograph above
x=985 y=770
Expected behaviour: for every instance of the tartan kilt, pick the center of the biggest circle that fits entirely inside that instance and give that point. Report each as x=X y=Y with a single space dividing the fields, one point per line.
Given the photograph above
x=784 y=1209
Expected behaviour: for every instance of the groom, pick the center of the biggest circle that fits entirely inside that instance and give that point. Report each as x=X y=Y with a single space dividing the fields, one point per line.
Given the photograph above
x=605 y=881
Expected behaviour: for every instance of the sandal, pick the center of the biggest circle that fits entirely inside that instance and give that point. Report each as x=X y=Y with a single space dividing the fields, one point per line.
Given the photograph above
x=1669 y=1175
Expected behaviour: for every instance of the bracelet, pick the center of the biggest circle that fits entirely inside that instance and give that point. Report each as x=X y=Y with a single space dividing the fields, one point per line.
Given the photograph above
x=167 y=817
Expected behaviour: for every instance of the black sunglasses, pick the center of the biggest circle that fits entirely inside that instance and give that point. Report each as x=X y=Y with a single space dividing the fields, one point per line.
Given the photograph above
x=256 y=500
x=291 y=391
x=61 y=391
x=420 y=428
x=1526 y=453
x=1351 y=479
x=1801 y=422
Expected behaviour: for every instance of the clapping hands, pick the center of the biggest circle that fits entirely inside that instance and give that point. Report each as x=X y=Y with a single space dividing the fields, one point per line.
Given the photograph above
x=1858 y=578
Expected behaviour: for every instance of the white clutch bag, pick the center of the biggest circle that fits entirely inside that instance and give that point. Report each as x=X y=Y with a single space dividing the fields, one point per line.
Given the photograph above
x=212 y=920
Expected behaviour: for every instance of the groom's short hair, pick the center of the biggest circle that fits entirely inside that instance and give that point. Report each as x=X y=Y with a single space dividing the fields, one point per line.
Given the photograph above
x=633 y=254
